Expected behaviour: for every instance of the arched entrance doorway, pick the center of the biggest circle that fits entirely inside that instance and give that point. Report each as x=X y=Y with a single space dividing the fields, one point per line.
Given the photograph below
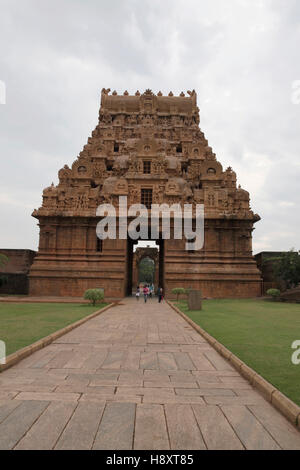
x=145 y=265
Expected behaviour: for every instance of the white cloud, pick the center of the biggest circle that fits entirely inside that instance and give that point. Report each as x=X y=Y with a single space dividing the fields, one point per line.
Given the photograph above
x=239 y=55
x=286 y=204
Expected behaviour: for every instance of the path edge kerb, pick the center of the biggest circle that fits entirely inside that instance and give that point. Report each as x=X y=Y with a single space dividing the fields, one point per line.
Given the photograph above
x=280 y=401
x=21 y=354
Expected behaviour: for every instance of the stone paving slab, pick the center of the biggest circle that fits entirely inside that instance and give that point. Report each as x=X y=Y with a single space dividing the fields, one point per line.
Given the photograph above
x=183 y=429
x=117 y=427
x=136 y=377
x=80 y=431
x=46 y=430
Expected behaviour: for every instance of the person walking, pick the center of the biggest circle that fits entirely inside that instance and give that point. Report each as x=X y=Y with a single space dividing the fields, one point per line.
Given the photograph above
x=146 y=292
x=160 y=294
x=137 y=294
x=151 y=289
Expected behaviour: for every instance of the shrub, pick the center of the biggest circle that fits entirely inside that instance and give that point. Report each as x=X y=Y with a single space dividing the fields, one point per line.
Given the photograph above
x=178 y=291
x=274 y=293
x=94 y=295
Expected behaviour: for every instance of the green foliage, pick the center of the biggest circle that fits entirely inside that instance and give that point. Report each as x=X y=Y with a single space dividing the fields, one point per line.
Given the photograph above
x=146 y=270
x=94 y=295
x=274 y=293
x=287 y=268
x=3 y=262
x=178 y=291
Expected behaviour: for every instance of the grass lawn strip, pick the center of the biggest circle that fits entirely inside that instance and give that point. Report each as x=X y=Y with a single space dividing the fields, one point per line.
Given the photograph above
x=259 y=332
x=23 y=324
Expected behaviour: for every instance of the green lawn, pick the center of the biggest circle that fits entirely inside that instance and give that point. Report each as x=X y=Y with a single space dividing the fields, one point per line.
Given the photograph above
x=23 y=324
x=259 y=332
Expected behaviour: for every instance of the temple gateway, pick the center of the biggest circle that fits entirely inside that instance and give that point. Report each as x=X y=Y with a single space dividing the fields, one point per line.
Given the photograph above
x=149 y=148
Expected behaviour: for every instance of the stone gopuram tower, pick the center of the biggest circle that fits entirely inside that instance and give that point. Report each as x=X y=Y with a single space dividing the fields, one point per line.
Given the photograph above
x=149 y=148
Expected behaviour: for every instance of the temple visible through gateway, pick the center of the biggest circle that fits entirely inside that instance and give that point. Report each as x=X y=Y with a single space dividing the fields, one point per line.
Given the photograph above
x=150 y=149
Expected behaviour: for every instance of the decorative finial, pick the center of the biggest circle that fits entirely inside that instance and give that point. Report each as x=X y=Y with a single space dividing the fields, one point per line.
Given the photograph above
x=137 y=93
x=182 y=94
x=126 y=93
x=114 y=93
x=171 y=93
x=159 y=93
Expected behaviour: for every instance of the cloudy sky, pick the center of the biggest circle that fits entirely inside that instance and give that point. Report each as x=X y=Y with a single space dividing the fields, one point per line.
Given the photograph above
x=241 y=56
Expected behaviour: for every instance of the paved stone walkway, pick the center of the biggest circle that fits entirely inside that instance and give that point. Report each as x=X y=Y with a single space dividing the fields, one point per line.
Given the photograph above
x=138 y=376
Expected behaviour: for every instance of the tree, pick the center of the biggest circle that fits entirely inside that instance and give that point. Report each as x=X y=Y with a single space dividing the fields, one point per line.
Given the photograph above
x=146 y=270
x=178 y=291
x=3 y=262
x=94 y=295
x=287 y=268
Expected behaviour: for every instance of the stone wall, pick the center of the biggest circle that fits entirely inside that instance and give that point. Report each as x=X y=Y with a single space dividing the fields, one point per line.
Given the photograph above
x=16 y=271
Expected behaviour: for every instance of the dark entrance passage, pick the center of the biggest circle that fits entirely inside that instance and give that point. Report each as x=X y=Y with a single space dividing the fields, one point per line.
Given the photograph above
x=137 y=252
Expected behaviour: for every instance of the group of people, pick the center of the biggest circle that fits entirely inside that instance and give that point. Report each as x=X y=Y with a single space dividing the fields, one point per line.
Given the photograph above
x=148 y=292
